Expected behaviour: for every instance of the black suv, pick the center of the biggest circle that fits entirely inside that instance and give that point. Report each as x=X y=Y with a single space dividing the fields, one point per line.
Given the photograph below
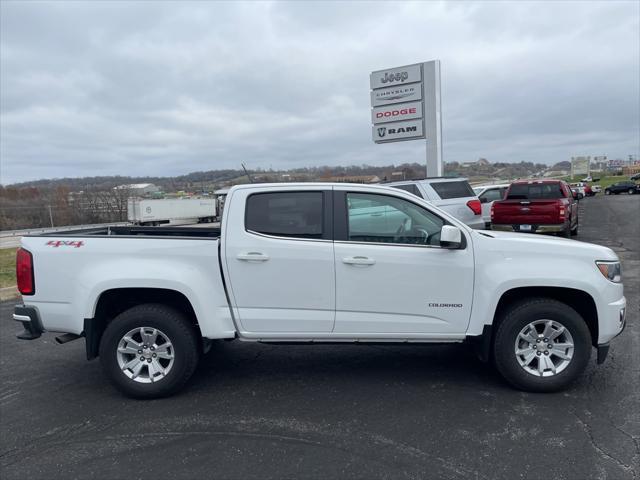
x=620 y=187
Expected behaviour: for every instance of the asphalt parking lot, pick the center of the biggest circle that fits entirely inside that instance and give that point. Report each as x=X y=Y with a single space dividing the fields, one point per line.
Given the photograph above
x=256 y=411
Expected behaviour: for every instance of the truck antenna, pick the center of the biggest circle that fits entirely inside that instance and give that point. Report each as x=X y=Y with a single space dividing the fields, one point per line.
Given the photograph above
x=247 y=173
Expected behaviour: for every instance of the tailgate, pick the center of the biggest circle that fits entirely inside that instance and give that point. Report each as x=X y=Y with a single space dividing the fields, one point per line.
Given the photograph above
x=533 y=212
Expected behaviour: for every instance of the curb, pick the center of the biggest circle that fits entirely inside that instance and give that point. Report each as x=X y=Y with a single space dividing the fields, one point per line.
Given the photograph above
x=7 y=293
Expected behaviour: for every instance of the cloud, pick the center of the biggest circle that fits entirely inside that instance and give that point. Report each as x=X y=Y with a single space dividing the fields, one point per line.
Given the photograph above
x=145 y=88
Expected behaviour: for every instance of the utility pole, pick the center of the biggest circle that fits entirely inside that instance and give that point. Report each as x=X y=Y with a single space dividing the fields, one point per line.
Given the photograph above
x=50 y=216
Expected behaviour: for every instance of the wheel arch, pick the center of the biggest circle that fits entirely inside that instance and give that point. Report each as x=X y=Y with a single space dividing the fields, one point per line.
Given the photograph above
x=581 y=301
x=114 y=301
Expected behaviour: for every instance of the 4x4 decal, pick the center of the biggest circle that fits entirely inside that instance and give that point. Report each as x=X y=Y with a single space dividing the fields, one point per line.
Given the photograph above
x=65 y=243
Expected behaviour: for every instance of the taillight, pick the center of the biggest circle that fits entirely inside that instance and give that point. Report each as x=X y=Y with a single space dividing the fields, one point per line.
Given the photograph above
x=492 y=205
x=561 y=213
x=24 y=272
x=476 y=206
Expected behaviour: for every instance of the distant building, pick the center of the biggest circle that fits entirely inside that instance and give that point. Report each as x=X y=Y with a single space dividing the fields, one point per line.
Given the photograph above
x=139 y=189
x=354 y=179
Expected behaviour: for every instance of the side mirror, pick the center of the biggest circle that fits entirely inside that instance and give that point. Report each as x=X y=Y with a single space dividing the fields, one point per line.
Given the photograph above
x=484 y=200
x=574 y=194
x=450 y=237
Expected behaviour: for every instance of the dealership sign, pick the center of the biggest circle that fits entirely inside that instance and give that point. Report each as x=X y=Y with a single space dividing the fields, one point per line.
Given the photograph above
x=395 y=113
x=405 y=105
x=397 y=131
x=400 y=93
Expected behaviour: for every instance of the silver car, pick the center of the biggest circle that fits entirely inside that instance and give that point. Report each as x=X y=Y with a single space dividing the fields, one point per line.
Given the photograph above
x=453 y=195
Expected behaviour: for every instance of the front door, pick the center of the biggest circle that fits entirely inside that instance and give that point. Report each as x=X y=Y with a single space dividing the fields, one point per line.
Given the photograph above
x=392 y=276
x=279 y=258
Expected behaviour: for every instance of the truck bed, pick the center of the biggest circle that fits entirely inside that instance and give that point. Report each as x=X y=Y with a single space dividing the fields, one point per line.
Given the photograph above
x=133 y=230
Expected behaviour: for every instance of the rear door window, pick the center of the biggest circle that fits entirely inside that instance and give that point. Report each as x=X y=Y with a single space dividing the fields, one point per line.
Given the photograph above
x=492 y=195
x=458 y=189
x=285 y=214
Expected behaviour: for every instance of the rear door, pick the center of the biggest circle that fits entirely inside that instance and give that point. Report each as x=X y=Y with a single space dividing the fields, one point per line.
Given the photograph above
x=279 y=258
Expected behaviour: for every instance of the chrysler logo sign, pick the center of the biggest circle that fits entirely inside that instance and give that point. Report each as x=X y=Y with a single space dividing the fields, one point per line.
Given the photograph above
x=396 y=94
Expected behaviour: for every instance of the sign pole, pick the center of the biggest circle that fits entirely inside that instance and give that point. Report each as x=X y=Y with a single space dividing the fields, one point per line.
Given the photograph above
x=432 y=118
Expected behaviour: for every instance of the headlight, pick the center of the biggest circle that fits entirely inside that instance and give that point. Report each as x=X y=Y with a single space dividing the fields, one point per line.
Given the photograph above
x=611 y=270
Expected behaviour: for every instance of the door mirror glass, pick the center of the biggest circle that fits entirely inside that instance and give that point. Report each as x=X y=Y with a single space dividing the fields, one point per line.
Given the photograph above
x=484 y=200
x=450 y=237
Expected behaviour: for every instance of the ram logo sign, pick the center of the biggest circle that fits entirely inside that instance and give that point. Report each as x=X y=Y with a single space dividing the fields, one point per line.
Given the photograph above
x=398 y=131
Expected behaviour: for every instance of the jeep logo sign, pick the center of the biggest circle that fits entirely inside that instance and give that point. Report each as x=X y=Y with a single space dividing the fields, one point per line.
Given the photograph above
x=398 y=131
x=395 y=76
x=394 y=113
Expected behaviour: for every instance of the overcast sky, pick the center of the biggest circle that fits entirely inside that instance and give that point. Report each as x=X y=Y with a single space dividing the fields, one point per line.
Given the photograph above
x=144 y=88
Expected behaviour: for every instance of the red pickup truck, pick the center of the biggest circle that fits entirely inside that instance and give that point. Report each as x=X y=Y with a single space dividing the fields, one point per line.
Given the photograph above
x=542 y=206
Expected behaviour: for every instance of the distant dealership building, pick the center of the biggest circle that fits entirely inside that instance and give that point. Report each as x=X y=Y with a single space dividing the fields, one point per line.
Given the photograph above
x=139 y=189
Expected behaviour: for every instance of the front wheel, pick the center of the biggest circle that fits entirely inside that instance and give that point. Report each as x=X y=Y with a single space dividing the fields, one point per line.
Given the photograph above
x=607 y=192
x=149 y=351
x=541 y=345
x=631 y=191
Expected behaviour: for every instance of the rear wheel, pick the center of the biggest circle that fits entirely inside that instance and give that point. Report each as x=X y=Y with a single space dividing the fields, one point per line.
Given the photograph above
x=541 y=345
x=631 y=191
x=574 y=230
x=149 y=351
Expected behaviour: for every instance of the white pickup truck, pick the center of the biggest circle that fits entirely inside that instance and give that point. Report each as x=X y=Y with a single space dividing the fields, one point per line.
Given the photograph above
x=316 y=263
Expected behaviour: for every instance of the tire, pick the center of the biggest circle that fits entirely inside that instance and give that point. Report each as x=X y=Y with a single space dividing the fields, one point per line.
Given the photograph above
x=566 y=232
x=574 y=230
x=631 y=191
x=607 y=192
x=519 y=317
x=177 y=361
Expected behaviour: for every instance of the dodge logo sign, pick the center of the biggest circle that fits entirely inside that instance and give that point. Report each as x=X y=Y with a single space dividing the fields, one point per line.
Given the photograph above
x=394 y=113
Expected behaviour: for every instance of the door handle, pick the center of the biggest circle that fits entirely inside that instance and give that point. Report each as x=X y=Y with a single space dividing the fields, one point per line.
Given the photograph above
x=252 y=257
x=358 y=260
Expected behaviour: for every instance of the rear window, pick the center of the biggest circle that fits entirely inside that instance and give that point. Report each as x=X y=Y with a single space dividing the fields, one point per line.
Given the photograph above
x=411 y=188
x=453 y=189
x=526 y=191
x=285 y=214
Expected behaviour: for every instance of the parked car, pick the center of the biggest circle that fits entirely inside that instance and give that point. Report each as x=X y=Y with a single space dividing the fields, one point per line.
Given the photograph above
x=635 y=177
x=316 y=263
x=453 y=195
x=579 y=188
x=622 y=187
x=542 y=206
x=487 y=194
x=596 y=189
